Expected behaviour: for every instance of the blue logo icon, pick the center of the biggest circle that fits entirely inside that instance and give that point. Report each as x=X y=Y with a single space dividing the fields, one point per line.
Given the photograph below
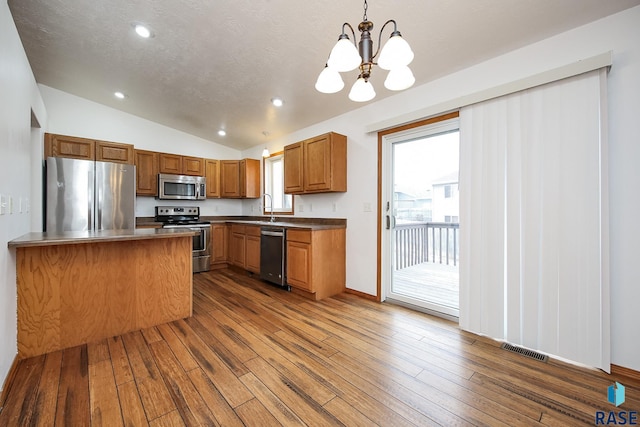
x=615 y=394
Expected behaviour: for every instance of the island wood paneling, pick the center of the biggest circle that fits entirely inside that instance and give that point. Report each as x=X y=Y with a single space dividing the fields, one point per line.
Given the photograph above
x=74 y=294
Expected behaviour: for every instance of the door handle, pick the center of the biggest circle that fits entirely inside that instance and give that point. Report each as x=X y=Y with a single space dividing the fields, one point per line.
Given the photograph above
x=388 y=222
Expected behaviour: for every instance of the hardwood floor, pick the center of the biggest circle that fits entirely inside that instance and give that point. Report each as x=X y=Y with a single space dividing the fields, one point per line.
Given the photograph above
x=253 y=354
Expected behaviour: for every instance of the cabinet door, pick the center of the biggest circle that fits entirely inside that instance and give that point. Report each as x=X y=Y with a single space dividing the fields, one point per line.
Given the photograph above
x=192 y=166
x=250 y=178
x=230 y=178
x=170 y=163
x=69 y=146
x=293 y=180
x=252 y=253
x=114 y=152
x=212 y=173
x=299 y=265
x=146 y=173
x=219 y=243
x=317 y=164
x=237 y=249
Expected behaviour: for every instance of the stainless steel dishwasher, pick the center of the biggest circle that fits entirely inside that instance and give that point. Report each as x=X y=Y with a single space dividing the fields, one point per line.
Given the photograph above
x=273 y=262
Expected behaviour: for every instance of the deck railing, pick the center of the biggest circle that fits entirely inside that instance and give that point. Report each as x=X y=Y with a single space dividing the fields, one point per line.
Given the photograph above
x=435 y=242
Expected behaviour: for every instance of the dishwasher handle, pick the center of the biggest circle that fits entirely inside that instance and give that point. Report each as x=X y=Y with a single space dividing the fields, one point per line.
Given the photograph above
x=272 y=233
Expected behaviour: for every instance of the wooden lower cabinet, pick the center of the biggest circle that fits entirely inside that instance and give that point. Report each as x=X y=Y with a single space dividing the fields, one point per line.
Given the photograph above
x=219 y=245
x=237 y=240
x=299 y=265
x=244 y=247
x=252 y=249
x=316 y=262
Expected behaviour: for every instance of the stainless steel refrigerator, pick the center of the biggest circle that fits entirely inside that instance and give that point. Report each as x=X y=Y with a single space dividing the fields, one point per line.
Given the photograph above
x=87 y=195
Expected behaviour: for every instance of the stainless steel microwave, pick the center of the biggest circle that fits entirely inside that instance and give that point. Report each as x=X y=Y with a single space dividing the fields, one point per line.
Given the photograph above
x=181 y=187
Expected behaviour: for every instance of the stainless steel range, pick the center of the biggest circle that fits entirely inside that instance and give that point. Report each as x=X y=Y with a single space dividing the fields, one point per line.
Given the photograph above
x=189 y=217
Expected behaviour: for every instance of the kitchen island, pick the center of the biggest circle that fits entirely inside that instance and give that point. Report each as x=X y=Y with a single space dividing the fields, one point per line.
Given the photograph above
x=78 y=287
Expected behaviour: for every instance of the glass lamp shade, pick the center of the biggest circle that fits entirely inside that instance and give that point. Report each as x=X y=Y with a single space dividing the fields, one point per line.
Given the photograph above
x=362 y=91
x=329 y=81
x=344 y=56
x=395 y=53
x=399 y=78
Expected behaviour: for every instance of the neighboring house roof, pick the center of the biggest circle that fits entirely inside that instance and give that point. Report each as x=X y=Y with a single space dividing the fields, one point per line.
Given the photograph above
x=451 y=178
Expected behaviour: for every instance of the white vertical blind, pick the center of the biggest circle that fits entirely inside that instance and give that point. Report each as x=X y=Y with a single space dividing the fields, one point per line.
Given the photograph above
x=534 y=220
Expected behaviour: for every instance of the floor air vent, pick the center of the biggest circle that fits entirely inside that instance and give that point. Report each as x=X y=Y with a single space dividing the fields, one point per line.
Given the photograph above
x=527 y=353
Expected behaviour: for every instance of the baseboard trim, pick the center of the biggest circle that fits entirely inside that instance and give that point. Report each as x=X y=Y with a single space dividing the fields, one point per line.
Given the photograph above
x=8 y=382
x=625 y=372
x=361 y=294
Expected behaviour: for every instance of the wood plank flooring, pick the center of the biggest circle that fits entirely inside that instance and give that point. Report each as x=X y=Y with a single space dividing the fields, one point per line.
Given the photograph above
x=255 y=355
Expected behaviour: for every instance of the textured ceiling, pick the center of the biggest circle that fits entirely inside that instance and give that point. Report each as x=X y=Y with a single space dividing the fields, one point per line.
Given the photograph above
x=216 y=64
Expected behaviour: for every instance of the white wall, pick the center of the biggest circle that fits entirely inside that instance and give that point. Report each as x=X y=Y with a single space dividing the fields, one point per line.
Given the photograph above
x=19 y=97
x=72 y=115
x=619 y=33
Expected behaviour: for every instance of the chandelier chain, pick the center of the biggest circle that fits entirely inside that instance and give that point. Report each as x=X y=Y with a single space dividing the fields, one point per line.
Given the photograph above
x=366 y=6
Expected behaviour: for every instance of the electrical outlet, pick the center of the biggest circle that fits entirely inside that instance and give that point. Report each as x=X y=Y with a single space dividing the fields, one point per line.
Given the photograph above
x=366 y=207
x=335 y=207
x=310 y=207
x=300 y=207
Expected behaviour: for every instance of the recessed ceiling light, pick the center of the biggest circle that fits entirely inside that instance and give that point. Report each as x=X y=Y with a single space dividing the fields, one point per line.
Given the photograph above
x=221 y=132
x=277 y=102
x=119 y=95
x=142 y=30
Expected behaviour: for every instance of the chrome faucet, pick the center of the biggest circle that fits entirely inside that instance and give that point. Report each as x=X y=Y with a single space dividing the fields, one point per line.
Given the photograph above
x=271 y=218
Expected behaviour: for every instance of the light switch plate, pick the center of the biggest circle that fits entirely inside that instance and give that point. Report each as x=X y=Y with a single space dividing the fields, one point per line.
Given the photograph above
x=3 y=204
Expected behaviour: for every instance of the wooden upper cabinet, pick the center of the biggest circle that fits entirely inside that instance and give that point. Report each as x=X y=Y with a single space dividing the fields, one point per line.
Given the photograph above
x=69 y=146
x=192 y=166
x=250 y=178
x=212 y=174
x=114 y=152
x=316 y=165
x=229 y=178
x=170 y=163
x=87 y=149
x=240 y=178
x=293 y=179
x=146 y=172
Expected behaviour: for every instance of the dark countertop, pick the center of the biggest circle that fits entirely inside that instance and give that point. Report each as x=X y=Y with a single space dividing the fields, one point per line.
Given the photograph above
x=282 y=221
x=84 y=237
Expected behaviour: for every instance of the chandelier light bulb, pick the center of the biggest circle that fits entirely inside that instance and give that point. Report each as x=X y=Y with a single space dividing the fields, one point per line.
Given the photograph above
x=362 y=91
x=329 y=81
x=344 y=56
x=399 y=78
x=395 y=53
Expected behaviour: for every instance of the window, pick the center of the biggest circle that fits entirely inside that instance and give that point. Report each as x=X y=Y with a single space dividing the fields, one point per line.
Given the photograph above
x=447 y=191
x=274 y=186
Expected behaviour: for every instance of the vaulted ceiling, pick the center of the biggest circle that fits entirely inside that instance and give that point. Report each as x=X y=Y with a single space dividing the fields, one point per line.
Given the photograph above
x=215 y=65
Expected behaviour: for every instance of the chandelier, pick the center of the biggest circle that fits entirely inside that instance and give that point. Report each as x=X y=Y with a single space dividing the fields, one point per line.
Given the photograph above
x=395 y=57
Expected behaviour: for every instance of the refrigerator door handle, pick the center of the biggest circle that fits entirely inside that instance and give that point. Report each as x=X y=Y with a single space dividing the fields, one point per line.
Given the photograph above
x=90 y=207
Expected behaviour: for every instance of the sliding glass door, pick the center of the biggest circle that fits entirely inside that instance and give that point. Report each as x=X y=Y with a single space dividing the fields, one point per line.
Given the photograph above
x=421 y=217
